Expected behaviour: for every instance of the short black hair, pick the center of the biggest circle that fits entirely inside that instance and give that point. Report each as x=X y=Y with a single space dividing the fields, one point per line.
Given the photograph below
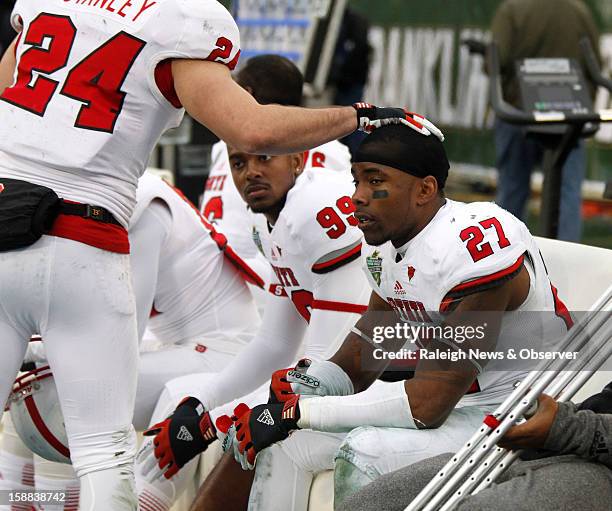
x=272 y=79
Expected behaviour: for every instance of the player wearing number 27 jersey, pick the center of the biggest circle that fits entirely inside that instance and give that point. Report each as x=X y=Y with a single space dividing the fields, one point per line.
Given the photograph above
x=465 y=277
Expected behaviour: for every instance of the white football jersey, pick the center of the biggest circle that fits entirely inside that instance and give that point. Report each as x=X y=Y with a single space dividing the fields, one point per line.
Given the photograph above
x=194 y=299
x=468 y=248
x=316 y=232
x=222 y=204
x=85 y=112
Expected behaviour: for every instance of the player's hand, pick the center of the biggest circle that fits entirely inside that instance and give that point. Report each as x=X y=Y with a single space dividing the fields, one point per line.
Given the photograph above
x=307 y=379
x=181 y=437
x=286 y=383
x=262 y=426
x=532 y=434
x=225 y=425
x=370 y=117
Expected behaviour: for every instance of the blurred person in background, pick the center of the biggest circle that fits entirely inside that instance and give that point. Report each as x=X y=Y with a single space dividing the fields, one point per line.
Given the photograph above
x=350 y=67
x=538 y=29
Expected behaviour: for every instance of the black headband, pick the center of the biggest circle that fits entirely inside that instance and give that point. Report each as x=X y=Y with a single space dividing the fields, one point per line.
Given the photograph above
x=405 y=149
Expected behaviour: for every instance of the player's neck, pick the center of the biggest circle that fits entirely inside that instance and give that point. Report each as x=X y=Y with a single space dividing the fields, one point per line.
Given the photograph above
x=274 y=212
x=423 y=222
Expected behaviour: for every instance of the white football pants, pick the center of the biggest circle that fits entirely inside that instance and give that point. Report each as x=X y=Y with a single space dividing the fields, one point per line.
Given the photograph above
x=284 y=472
x=80 y=299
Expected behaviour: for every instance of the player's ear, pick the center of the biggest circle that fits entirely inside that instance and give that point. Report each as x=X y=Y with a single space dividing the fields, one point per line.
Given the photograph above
x=428 y=190
x=297 y=163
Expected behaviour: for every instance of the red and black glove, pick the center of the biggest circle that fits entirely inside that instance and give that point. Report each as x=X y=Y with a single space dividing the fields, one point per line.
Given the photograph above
x=264 y=425
x=182 y=436
x=370 y=117
x=281 y=389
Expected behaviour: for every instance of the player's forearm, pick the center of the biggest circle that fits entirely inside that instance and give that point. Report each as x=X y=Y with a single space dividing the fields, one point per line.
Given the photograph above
x=433 y=395
x=278 y=129
x=358 y=354
x=209 y=94
x=383 y=405
x=275 y=345
x=250 y=369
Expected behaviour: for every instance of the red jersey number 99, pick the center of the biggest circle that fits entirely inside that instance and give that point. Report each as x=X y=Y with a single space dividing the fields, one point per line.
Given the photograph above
x=335 y=219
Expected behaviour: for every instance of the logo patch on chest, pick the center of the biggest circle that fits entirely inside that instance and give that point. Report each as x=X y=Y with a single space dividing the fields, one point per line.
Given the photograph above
x=374 y=264
x=257 y=240
x=266 y=418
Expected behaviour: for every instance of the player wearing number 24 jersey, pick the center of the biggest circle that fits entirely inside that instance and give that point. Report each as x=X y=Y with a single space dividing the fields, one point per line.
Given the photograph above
x=86 y=90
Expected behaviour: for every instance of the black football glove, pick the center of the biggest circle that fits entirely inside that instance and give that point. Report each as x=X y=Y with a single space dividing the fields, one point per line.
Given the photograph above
x=264 y=425
x=370 y=117
x=182 y=436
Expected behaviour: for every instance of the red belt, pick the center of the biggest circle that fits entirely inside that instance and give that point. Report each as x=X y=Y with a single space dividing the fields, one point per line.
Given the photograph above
x=105 y=236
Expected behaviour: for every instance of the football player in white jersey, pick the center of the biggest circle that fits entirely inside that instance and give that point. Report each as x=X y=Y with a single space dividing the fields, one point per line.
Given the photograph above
x=191 y=294
x=86 y=90
x=433 y=262
x=269 y=79
x=311 y=239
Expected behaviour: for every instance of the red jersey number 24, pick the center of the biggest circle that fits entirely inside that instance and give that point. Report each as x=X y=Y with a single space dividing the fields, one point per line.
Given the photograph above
x=95 y=81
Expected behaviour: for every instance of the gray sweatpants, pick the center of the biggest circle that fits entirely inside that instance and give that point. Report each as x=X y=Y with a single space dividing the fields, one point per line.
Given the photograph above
x=559 y=483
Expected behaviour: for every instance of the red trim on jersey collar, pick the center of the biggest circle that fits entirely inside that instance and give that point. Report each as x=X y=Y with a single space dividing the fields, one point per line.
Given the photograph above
x=42 y=427
x=327 y=305
x=339 y=261
x=94 y=233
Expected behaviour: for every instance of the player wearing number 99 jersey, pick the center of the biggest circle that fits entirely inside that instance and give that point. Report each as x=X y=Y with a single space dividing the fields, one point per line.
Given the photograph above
x=313 y=244
x=270 y=79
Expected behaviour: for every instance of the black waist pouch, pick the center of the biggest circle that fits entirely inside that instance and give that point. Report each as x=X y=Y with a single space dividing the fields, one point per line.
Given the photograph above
x=27 y=211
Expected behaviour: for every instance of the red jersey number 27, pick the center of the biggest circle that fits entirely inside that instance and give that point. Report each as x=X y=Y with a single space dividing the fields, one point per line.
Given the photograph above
x=95 y=81
x=474 y=236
